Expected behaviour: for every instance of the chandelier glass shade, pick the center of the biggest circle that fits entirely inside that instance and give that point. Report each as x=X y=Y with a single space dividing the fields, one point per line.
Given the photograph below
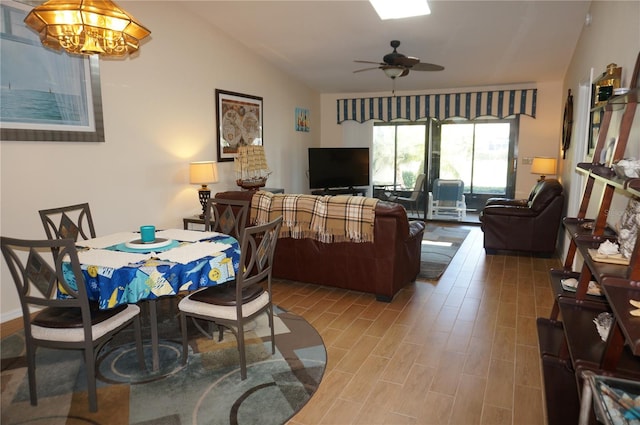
x=86 y=27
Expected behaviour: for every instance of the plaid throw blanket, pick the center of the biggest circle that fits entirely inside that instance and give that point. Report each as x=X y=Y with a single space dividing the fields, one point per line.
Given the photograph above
x=325 y=218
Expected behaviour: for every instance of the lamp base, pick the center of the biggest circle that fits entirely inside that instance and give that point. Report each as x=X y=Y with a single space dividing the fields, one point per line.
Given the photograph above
x=204 y=194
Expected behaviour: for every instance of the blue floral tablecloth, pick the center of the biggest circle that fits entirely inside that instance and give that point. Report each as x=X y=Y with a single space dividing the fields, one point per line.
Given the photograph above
x=154 y=278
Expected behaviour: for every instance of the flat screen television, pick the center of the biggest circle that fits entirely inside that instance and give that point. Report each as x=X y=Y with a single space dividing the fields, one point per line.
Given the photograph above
x=338 y=167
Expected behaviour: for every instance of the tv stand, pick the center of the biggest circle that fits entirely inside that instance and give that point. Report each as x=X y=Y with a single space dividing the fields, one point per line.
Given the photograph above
x=362 y=191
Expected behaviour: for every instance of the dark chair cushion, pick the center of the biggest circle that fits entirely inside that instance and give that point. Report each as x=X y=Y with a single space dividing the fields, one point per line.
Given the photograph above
x=546 y=192
x=226 y=294
x=71 y=317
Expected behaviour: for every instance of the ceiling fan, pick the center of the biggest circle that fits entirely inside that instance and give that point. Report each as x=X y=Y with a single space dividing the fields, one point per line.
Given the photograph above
x=396 y=64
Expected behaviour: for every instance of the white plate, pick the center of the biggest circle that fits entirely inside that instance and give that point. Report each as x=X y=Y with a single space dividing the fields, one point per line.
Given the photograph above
x=138 y=244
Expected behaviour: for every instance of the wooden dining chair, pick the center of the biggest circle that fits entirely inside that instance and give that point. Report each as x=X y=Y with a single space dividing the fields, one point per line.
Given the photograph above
x=227 y=216
x=72 y=222
x=235 y=303
x=72 y=322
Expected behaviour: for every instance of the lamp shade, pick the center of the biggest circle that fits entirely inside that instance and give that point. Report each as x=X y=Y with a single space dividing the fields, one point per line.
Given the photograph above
x=203 y=172
x=543 y=166
x=86 y=27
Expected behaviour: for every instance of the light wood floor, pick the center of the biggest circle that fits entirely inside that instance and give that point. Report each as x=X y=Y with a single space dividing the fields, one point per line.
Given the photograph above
x=462 y=350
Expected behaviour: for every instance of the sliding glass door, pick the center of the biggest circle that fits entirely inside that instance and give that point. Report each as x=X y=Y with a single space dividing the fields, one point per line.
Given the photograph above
x=481 y=153
x=398 y=155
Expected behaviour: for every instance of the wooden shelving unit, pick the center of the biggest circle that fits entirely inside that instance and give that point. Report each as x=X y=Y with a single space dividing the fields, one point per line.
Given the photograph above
x=568 y=339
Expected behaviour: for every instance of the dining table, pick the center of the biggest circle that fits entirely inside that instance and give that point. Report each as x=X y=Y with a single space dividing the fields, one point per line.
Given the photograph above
x=120 y=269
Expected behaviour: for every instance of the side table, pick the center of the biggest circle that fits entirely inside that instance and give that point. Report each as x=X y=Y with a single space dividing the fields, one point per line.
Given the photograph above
x=194 y=219
x=273 y=189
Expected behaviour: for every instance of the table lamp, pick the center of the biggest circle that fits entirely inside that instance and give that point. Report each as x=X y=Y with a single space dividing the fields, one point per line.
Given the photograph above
x=543 y=166
x=203 y=173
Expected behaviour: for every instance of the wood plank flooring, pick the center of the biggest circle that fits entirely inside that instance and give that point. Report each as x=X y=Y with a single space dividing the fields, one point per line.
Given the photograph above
x=462 y=350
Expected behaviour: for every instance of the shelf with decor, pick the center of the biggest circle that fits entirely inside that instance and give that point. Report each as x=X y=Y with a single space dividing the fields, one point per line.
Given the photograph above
x=570 y=339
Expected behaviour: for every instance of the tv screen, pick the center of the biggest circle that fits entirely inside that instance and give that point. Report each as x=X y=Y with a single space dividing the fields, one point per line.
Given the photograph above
x=338 y=167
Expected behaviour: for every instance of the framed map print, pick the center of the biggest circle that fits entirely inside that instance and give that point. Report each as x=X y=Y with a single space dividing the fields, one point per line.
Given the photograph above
x=239 y=122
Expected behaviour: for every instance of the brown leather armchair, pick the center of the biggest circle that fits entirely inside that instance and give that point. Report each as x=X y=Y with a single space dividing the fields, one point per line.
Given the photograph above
x=524 y=224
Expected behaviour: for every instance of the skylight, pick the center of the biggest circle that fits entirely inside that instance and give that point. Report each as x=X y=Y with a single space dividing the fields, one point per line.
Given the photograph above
x=397 y=9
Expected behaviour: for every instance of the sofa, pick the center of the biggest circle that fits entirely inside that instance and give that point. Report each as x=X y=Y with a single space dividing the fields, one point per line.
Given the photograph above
x=529 y=225
x=381 y=267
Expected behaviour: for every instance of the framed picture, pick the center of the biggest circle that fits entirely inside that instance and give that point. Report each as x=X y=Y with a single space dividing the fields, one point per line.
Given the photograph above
x=595 y=120
x=46 y=95
x=239 y=122
x=302 y=120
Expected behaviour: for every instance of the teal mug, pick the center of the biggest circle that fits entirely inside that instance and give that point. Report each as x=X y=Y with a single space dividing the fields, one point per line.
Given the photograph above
x=147 y=233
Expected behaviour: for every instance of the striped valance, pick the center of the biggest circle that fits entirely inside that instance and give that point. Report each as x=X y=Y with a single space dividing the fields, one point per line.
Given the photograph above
x=498 y=103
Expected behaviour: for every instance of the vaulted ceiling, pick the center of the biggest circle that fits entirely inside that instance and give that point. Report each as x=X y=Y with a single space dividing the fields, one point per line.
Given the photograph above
x=479 y=43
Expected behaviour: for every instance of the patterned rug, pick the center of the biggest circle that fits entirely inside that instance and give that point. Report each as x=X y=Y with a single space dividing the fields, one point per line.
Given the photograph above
x=208 y=390
x=439 y=246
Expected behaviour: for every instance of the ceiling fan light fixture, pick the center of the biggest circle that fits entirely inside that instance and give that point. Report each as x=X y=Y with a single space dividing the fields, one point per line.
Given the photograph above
x=398 y=9
x=393 y=71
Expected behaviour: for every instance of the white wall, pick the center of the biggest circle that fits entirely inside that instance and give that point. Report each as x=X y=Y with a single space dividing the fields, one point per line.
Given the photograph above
x=612 y=36
x=538 y=137
x=159 y=114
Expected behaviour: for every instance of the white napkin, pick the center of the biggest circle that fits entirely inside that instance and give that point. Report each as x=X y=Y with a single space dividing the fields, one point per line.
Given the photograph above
x=185 y=235
x=108 y=258
x=108 y=240
x=191 y=252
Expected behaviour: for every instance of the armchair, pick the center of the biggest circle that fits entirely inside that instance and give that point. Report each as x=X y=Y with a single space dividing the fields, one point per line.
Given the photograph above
x=446 y=200
x=524 y=224
x=412 y=200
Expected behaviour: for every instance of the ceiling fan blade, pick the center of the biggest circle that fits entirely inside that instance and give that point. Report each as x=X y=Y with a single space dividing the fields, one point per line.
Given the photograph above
x=366 y=69
x=407 y=61
x=423 y=66
x=405 y=72
x=376 y=63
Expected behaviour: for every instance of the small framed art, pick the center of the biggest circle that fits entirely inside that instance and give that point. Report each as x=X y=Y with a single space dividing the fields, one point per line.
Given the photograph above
x=302 y=120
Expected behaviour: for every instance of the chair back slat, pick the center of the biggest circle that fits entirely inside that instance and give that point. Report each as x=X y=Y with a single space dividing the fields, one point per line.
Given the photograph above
x=38 y=282
x=257 y=250
x=70 y=222
x=41 y=274
x=227 y=216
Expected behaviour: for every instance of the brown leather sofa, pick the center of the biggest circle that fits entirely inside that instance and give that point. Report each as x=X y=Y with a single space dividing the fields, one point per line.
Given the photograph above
x=381 y=267
x=524 y=224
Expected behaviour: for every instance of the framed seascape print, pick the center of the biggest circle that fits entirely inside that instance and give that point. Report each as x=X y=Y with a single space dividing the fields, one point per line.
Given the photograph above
x=46 y=95
x=302 y=120
x=239 y=122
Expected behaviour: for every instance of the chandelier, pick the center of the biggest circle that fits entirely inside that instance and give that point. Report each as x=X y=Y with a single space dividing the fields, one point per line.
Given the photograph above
x=86 y=27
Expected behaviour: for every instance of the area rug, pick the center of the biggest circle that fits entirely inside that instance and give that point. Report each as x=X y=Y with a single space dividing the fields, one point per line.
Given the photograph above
x=439 y=246
x=208 y=390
